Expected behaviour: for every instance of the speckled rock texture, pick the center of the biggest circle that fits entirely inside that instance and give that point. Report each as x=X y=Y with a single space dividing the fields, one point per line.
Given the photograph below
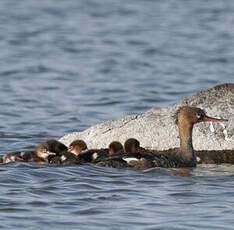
x=156 y=128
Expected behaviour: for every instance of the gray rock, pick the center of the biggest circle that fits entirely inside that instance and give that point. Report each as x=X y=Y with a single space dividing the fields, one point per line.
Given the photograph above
x=156 y=128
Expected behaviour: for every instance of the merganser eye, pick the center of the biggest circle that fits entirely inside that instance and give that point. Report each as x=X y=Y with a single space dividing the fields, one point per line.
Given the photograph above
x=198 y=115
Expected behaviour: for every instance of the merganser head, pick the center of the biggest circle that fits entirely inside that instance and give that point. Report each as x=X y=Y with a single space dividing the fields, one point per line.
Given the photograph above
x=77 y=147
x=194 y=115
x=131 y=145
x=115 y=147
x=42 y=151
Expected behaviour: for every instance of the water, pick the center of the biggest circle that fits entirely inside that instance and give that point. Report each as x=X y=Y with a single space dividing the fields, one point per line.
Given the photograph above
x=66 y=65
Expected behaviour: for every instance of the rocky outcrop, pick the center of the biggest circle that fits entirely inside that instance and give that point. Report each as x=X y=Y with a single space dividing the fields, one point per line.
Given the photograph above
x=156 y=128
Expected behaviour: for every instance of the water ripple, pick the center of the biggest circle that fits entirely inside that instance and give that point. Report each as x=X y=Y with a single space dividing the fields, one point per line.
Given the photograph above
x=67 y=66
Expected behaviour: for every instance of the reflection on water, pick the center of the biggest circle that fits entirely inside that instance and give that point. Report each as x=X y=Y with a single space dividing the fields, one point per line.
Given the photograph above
x=66 y=65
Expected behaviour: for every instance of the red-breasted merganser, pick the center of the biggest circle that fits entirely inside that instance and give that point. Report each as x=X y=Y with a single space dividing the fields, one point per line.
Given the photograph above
x=46 y=151
x=97 y=155
x=56 y=146
x=132 y=145
x=77 y=146
x=184 y=156
x=16 y=156
x=71 y=156
x=114 y=148
x=225 y=156
x=43 y=153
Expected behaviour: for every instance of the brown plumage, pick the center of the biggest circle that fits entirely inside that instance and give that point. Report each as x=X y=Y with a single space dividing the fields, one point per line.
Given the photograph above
x=55 y=146
x=215 y=156
x=77 y=147
x=184 y=156
x=115 y=147
x=43 y=153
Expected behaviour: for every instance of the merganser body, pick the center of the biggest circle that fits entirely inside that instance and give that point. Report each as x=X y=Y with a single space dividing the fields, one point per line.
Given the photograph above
x=185 y=156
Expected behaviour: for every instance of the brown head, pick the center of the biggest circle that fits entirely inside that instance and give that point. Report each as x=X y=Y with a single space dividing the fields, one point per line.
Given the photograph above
x=131 y=145
x=186 y=117
x=193 y=115
x=42 y=151
x=77 y=147
x=115 y=147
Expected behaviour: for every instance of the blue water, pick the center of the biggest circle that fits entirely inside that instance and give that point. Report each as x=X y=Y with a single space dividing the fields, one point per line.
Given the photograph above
x=66 y=65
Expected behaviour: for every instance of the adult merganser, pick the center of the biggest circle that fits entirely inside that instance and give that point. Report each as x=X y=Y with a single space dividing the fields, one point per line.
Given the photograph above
x=215 y=156
x=184 y=156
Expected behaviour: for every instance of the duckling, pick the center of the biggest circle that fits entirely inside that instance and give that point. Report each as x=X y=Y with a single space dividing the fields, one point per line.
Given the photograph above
x=43 y=153
x=55 y=146
x=16 y=156
x=77 y=146
x=115 y=148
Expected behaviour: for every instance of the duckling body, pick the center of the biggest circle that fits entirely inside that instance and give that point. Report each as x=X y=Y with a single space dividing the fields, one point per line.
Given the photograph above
x=65 y=158
x=55 y=146
x=87 y=156
x=11 y=157
x=93 y=155
x=144 y=159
